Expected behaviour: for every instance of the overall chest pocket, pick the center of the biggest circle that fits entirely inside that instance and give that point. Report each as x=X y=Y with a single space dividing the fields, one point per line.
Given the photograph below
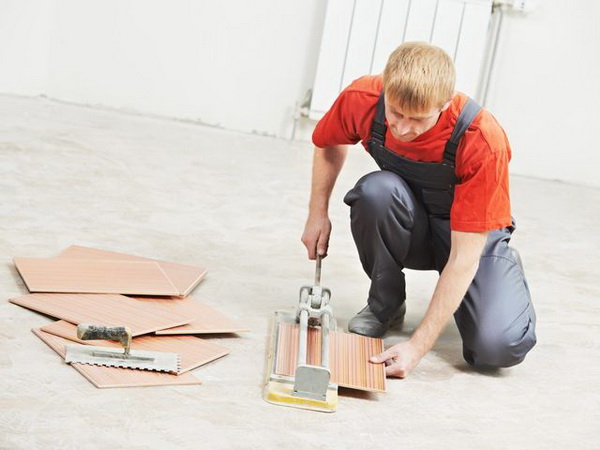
x=438 y=202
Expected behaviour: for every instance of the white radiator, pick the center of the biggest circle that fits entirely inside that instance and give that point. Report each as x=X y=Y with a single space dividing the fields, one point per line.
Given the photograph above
x=359 y=35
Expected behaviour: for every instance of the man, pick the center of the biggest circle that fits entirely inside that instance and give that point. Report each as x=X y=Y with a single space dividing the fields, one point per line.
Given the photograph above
x=441 y=201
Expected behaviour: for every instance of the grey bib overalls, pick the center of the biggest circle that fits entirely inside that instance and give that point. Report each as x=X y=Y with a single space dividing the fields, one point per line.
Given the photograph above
x=400 y=218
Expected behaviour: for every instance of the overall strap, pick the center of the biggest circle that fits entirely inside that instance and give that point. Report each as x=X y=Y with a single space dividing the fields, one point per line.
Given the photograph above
x=378 y=127
x=463 y=122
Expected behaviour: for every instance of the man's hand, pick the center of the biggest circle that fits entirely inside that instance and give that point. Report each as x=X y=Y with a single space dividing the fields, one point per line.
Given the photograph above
x=399 y=359
x=316 y=235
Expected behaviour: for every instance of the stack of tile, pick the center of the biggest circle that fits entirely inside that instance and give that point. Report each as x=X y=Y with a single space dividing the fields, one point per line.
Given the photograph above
x=86 y=285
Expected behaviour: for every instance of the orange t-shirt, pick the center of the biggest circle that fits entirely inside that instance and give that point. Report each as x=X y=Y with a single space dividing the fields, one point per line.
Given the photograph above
x=481 y=198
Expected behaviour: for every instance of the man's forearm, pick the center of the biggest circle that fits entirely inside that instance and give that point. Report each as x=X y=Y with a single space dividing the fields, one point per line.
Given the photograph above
x=327 y=163
x=451 y=288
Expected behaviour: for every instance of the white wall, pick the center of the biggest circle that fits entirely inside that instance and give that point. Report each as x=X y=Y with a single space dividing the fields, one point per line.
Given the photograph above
x=243 y=66
x=25 y=30
x=545 y=90
x=236 y=64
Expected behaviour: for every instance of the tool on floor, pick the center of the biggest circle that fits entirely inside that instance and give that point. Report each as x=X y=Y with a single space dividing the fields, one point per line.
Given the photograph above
x=115 y=357
x=310 y=387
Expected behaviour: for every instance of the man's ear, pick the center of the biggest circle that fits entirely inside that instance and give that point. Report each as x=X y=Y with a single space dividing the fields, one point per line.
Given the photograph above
x=448 y=103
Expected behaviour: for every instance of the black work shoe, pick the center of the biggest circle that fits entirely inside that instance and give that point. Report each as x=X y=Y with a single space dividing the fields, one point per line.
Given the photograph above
x=367 y=324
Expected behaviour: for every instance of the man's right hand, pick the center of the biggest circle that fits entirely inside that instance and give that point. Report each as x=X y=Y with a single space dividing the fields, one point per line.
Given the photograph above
x=316 y=235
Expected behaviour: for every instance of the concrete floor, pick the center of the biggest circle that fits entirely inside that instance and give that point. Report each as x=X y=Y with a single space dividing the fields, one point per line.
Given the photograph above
x=235 y=203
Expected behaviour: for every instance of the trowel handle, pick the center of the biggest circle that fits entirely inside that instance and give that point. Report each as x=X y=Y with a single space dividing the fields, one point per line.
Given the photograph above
x=86 y=331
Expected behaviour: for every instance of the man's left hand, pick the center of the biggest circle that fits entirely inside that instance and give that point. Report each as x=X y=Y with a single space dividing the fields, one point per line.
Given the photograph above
x=400 y=359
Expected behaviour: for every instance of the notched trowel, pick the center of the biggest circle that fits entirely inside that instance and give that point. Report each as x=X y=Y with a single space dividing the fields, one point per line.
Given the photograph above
x=311 y=386
x=123 y=357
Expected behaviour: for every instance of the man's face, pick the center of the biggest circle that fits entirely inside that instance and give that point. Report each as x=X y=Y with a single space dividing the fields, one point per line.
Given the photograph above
x=406 y=126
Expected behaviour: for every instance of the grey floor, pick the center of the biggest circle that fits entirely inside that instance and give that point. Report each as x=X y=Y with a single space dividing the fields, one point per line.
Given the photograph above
x=235 y=203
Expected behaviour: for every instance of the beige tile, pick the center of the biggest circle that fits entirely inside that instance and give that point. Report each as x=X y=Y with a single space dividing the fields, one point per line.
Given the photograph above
x=103 y=309
x=207 y=320
x=67 y=275
x=348 y=354
x=184 y=277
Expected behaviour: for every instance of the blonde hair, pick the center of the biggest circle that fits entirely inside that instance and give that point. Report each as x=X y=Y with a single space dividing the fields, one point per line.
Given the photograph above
x=419 y=76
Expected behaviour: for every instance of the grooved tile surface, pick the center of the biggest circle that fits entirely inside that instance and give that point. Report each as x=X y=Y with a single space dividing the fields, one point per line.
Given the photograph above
x=103 y=309
x=67 y=275
x=193 y=352
x=184 y=277
x=111 y=377
x=348 y=355
x=206 y=320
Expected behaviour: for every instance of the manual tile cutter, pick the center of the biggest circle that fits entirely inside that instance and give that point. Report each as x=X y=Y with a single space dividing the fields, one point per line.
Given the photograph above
x=311 y=386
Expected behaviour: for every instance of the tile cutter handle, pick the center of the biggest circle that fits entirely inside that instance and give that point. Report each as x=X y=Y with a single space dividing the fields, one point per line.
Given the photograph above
x=314 y=306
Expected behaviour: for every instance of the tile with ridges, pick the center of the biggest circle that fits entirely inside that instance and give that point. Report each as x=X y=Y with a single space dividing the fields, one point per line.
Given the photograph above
x=93 y=276
x=207 y=320
x=103 y=309
x=184 y=277
x=348 y=354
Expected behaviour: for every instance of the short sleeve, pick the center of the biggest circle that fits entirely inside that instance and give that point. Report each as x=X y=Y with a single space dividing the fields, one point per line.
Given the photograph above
x=482 y=199
x=348 y=120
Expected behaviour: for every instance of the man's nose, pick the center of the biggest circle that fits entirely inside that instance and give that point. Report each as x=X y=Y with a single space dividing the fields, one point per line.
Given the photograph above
x=402 y=127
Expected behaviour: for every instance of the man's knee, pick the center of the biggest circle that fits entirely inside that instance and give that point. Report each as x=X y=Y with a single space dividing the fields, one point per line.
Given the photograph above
x=379 y=192
x=500 y=348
